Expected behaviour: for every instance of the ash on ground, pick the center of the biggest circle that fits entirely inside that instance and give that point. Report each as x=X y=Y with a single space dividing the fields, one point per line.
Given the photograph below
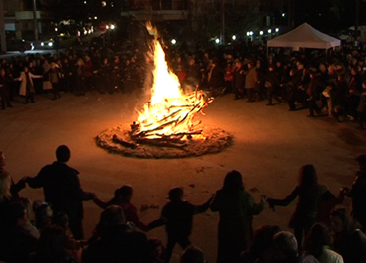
x=117 y=140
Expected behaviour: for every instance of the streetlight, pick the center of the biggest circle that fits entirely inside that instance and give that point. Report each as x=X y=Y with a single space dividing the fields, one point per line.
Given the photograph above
x=174 y=41
x=217 y=41
x=113 y=27
x=261 y=32
x=234 y=37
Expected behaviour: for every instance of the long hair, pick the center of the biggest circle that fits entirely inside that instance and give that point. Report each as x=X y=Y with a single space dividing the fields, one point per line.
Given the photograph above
x=233 y=182
x=318 y=237
x=4 y=185
x=308 y=178
x=348 y=227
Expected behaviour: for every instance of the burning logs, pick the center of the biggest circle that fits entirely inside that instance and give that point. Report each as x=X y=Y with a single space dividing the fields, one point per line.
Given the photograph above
x=170 y=120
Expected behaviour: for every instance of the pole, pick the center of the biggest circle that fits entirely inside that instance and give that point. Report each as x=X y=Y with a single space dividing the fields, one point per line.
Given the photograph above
x=357 y=18
x=223 y=22
x=2 y=28
x=35 y=21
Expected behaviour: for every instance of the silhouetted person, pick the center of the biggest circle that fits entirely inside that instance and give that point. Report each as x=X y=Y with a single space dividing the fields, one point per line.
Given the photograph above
x=62 y=189
x=122 y=197
x=309 y=192
x=236 y=208
x=177 y=216
x=358 y=192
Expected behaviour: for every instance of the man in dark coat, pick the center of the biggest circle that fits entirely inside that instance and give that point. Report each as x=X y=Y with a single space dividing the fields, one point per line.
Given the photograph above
x=118 y=242
x=239 y=80
x=62 y=189
x=177 y=216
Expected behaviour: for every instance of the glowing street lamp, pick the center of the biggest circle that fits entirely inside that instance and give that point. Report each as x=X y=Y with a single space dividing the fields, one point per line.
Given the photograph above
x=217 y=41
x=248 y=34
x=277 y=30
x=261 y=32
x=174 y=41
x=269 y=31
x=234 y=37
x=113 y=27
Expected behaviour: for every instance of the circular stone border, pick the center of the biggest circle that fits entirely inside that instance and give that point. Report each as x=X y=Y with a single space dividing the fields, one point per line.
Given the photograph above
x=214 y=141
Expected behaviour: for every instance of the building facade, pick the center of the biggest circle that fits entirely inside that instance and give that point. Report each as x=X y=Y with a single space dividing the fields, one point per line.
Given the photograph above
x=18 y=16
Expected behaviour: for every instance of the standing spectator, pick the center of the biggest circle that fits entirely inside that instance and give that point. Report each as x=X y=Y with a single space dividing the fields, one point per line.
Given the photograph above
x=271 y=84
x=239 y=80
x=340 y=95
x=309 y=192
x=4 y=90
x=54 y=75
x=313 y=95
x=62 y=189
x=118 y=243
x=105 y=77
x=236 y=208
x=177 y=216
x=215 y=77
x=26 y=84
x=348 y=241
x=358 y=192
x=229 y=78
x=251 y=81
x=88 y=73
x=354 y=92
x=80 y=84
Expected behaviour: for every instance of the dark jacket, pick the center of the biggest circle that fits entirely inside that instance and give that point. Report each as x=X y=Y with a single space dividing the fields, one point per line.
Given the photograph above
x=61 y=187
x=119 y=244
x=178 y=217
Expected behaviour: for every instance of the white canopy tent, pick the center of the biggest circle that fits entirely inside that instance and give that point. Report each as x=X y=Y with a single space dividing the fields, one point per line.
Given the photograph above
x=304 y=36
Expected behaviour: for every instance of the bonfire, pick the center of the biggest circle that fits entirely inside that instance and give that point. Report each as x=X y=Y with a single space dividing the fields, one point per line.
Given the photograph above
x=168 y=118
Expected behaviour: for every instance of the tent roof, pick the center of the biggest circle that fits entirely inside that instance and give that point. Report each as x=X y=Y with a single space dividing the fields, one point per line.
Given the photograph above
x=304 y=36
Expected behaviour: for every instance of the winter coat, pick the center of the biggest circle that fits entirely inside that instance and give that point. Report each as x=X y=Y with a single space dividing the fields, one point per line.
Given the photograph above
x=23 y=83
x=252 y=79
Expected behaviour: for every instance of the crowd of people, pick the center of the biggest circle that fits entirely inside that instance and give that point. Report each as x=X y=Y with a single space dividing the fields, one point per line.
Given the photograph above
x=330 y=83
x=51 y=230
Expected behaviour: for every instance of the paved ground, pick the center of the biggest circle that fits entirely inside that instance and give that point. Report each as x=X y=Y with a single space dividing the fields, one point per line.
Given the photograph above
x=270 y=145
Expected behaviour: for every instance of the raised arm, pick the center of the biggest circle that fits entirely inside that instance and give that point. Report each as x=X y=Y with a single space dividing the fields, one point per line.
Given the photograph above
x=286 y=201
x=202 y=208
